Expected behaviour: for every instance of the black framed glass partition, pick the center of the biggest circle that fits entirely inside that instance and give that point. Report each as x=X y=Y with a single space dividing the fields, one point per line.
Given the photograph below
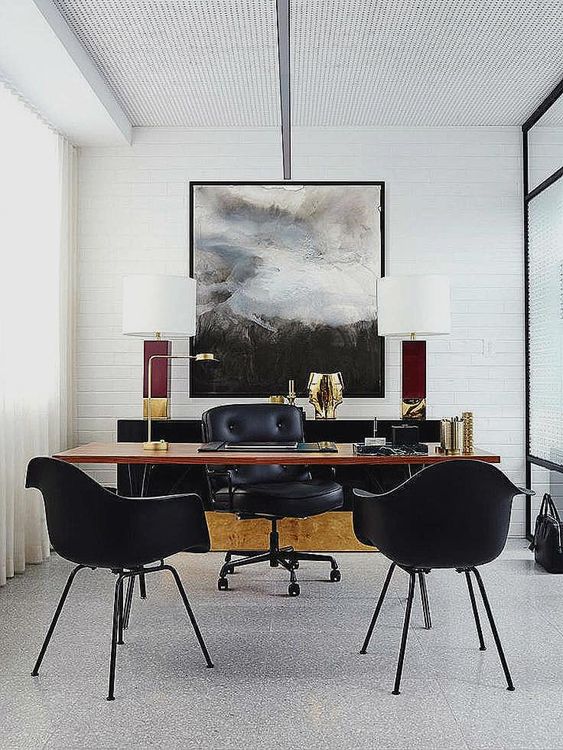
x=543 y=246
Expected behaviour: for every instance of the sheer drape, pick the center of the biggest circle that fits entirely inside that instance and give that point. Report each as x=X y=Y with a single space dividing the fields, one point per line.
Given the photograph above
x=37 y=225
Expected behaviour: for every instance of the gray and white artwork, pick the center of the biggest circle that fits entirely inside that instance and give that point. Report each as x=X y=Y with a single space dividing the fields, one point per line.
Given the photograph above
x=286 y=277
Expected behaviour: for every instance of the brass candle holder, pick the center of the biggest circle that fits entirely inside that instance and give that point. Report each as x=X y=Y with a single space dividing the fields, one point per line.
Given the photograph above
x=291 y=396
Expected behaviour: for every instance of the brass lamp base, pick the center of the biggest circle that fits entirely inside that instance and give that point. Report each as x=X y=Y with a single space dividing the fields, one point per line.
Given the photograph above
x=156 y=445
x=159 y=408
x=413 y=408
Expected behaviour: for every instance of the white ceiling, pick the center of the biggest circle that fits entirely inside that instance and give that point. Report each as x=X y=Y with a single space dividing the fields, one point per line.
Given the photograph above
x=213 y=63
x=42 y=60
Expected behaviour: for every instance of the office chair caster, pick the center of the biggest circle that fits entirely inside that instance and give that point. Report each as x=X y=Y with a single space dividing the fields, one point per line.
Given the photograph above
x=293 y=589
x=222 y=584
x=335 y=575
x=230 y=570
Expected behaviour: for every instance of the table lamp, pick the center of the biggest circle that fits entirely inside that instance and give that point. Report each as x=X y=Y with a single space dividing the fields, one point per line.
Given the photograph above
x=159 y=308
x=413 y=306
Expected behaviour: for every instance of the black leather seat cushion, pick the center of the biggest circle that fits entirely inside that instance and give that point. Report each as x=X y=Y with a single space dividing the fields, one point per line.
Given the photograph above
x=295 y=499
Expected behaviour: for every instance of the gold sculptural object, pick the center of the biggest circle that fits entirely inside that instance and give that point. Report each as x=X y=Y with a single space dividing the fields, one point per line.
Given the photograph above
x=468 y=445
x=276 y=399
x=325 y=393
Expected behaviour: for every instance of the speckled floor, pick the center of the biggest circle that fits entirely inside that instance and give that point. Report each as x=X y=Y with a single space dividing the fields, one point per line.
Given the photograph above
x=287 y=671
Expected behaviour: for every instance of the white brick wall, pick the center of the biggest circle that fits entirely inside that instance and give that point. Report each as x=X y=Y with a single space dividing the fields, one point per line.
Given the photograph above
x=453 y=206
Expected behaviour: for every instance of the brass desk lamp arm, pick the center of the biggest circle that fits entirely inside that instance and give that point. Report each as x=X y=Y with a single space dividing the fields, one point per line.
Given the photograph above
x=162 y=445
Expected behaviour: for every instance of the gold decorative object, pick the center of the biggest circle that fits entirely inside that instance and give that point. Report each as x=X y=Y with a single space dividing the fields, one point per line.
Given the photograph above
x=451 y=436
x=162 y=445
x=276 y=399
x=325 y=393
x=468 y=445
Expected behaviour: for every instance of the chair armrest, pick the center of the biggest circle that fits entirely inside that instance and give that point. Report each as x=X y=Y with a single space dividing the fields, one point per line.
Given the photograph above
x=174 y=522
x=363 y=493
x=323 y=471
x=525 y=491
x=211 y=473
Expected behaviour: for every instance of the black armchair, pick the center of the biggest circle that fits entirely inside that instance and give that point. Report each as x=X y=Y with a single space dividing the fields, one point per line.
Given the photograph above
x=454 y=515
x=95 y=528
x=266 y=491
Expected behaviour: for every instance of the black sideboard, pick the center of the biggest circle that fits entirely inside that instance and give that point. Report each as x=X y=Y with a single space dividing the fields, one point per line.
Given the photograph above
x=165 y=480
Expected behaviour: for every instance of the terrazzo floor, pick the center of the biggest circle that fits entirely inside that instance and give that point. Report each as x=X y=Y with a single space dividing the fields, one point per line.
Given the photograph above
x=287 y=670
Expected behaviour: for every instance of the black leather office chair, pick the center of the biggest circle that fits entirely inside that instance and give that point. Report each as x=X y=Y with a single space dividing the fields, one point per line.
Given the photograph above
x=266 y=491
x=95 y=528
x=454 y=515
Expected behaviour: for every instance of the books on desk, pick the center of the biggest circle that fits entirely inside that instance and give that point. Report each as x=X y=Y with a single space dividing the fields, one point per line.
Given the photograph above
x=269 y=447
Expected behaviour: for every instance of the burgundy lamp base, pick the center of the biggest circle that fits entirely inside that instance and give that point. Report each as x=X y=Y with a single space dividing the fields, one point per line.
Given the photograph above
x=160 y=379
x=413 y=402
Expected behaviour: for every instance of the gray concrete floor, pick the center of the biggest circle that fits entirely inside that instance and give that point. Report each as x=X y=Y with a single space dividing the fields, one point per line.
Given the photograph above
x=287 y=671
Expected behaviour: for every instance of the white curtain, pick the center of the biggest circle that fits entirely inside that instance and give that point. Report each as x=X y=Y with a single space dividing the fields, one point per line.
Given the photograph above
x=37 y=253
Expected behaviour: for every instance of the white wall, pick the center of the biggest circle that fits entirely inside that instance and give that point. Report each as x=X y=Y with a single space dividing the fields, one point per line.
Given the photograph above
x=453 y=206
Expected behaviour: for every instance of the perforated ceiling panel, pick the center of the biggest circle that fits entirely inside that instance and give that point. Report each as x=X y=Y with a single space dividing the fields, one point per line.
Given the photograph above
x=553 y=117
x=205 y=63
x=194 y=63
x=424 y=62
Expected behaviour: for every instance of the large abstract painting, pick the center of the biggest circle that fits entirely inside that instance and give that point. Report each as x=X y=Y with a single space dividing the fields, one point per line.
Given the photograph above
x=286 y=276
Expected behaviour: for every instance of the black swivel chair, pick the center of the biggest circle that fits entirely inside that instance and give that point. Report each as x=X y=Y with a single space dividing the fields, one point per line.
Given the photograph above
x=454 y=515
x=95 y=528
x=266 y=491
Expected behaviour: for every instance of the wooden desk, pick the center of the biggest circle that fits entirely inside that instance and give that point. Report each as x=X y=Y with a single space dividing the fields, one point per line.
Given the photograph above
x=187 y=453
x=327 y=532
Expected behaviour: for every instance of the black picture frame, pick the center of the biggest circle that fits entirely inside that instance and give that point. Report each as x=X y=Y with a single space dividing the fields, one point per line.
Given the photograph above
x=378 y=393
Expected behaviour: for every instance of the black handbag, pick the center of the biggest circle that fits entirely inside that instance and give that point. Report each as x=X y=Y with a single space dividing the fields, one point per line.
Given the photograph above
x=546 y=543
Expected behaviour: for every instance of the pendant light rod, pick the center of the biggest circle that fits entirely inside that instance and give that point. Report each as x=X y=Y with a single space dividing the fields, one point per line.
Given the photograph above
x=282 y=10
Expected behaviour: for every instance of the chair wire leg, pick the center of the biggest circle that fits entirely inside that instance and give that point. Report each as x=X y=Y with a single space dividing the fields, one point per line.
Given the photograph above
x=55 y=619
x=482 y=646
x=424 y=600
x=142 y=586
x=378 y=608
x=412 y=585
x=510 y=684
x=114 y=635
x=128 y=602
x=190 y=613
x=120 y=640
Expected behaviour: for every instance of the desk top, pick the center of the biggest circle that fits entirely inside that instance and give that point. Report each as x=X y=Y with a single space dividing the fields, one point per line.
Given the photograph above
x=187 y=453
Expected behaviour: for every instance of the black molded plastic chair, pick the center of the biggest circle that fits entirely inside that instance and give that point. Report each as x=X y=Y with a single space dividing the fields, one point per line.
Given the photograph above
x=95 y=528
x=263 y=490
x=454 y=515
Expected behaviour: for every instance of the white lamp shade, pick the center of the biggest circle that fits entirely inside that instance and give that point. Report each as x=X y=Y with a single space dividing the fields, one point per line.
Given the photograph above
x=413 y=304
x=159 y=304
